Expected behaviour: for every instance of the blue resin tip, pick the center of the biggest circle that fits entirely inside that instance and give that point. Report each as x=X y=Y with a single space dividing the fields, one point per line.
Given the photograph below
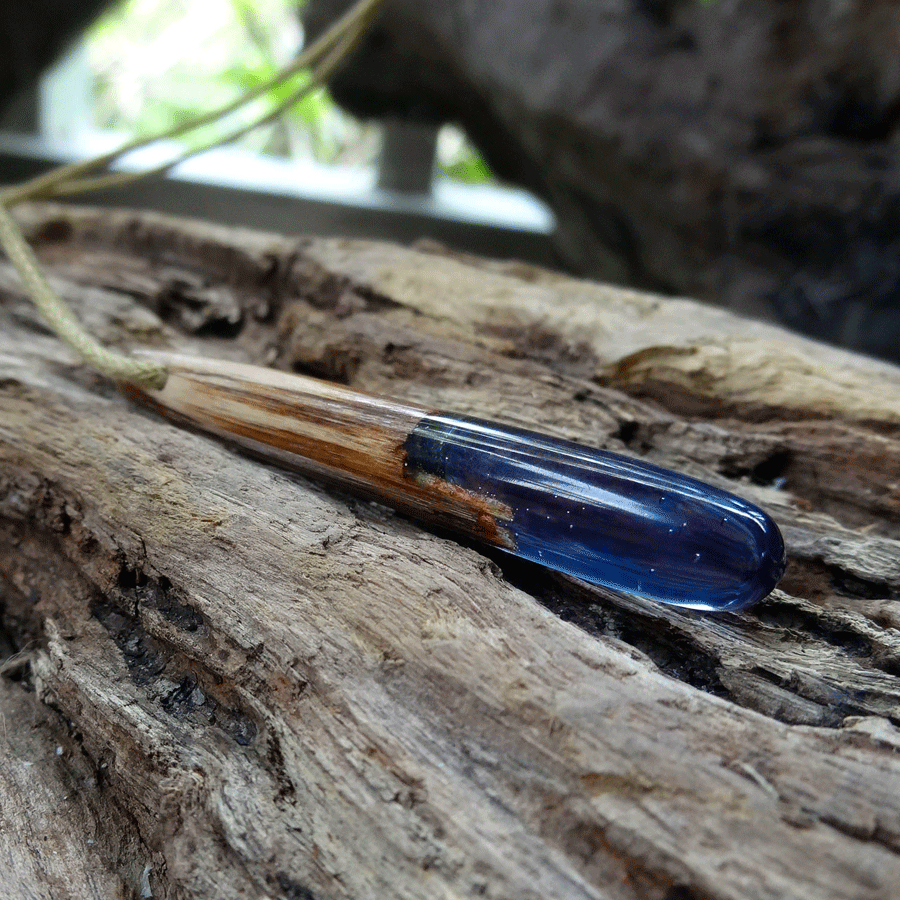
x=606 y=518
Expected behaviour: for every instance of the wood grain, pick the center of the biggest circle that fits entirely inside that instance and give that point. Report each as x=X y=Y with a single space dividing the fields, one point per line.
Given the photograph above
x=266 y=689
x=323 y=430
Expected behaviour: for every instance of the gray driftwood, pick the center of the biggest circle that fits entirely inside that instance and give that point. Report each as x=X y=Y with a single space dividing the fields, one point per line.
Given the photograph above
x=739 y=150
x=237 y=683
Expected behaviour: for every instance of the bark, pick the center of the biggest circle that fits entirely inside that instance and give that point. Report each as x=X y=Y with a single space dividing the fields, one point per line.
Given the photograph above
x=239 y=683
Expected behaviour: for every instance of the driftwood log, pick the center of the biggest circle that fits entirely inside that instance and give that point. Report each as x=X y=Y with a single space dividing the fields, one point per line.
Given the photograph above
x=231 y=682
x=743 y=151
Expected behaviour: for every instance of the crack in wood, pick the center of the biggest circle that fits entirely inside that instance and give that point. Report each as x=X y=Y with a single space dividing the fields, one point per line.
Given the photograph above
x=180 y=692
x=141 y=590
x=780 y=631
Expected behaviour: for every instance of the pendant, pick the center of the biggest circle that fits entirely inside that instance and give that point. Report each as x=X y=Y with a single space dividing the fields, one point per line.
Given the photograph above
x=606 y=518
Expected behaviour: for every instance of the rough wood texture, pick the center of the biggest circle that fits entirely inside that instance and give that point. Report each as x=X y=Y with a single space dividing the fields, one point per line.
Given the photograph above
x=260 y=687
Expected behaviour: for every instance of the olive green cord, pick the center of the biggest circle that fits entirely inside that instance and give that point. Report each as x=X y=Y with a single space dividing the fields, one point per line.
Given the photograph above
x=323 y=57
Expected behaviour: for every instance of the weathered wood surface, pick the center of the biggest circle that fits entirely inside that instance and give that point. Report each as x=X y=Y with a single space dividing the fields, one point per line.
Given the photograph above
x=247 y=685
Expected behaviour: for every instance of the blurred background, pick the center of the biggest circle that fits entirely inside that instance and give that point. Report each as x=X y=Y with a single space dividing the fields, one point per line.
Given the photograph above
x=137 y=90
x=740 y=151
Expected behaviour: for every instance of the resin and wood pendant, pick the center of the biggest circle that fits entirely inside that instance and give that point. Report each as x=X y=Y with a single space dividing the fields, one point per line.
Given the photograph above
x=609 y=519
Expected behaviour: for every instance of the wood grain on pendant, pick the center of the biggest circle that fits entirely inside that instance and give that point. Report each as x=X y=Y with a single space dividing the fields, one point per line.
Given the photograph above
x=319 y=429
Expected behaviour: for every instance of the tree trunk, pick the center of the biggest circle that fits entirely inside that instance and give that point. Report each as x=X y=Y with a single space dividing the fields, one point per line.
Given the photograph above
x=739 y=150
x=239 y=683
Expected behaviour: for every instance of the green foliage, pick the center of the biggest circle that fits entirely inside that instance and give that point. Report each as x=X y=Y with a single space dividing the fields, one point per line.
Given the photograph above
x=158 y=63
x=470 y=168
